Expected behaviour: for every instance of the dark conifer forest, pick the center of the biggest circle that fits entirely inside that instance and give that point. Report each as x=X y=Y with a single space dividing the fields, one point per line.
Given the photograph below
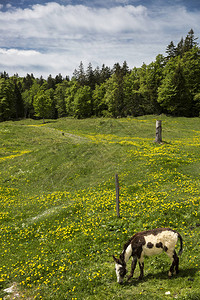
x=169 y=85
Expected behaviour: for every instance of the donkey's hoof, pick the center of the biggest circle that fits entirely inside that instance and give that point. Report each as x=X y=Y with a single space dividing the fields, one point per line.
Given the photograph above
x=170 y=275
x=140 y=277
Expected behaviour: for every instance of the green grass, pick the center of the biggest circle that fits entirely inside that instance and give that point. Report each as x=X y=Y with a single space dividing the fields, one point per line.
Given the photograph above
x=57 y=205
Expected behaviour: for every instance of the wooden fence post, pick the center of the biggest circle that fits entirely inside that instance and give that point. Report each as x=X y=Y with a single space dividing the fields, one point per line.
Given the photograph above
x=117 y=194
x=158 y=138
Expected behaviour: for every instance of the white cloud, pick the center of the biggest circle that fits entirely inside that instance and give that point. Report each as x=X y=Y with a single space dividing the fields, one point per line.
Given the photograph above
x=55 y=38
x=30 y=61
x=57 y=20
x=22 y=53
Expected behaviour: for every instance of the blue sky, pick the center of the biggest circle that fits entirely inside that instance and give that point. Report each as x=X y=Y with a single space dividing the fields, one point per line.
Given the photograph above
x=52 y=37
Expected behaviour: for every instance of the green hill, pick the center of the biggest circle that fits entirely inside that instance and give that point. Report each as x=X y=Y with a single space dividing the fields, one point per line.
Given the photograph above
x=57 y=205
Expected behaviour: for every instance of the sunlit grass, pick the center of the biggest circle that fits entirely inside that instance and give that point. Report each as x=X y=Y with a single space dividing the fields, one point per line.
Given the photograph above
x=58 y=235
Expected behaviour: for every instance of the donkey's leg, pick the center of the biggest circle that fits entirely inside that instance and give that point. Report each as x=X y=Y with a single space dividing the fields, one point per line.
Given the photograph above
x=176 y=260
x=173 y=257
x=141 y=264
x=133 y=265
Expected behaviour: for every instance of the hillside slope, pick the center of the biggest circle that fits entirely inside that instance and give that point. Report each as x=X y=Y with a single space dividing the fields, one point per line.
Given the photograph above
x=57 y=211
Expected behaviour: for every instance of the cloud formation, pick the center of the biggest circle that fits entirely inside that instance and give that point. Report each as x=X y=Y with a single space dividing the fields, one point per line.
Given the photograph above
x=54 y=20
x=53 y=38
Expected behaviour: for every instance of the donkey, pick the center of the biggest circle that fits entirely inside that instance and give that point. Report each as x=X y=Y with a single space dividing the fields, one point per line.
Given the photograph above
x=148 y=243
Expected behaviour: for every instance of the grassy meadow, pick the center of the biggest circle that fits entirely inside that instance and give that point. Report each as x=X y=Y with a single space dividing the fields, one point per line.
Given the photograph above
x=59 y=228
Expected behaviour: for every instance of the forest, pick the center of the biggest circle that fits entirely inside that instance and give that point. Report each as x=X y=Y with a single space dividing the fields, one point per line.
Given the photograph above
x=169 y=85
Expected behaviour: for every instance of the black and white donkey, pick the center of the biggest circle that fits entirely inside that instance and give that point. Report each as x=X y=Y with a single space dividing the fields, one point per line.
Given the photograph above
x=148 y=243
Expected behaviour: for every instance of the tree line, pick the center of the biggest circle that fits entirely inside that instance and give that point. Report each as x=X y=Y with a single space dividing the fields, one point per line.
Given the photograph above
x=170 y=85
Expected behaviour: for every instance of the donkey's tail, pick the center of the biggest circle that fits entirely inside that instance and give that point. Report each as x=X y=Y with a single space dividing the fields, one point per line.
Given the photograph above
x=181 y=244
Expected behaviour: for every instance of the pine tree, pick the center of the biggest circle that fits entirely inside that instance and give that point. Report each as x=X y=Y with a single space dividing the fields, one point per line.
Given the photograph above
x=90 y=78
x=191 y=61
x=18 y=102
x=190 y=41
x=79 y=74
x=180 y=48
x=51 y=82
x=171 y=51
x=105 y=73
x=133 y=98
x=173 y=94
x=97 y=75
x=4 y=75
x=125 y=69
x=58 y=79
x=7 y=99
x=28 y=82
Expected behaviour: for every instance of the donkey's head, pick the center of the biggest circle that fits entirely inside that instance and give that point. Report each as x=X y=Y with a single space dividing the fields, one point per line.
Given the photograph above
x=120 y=268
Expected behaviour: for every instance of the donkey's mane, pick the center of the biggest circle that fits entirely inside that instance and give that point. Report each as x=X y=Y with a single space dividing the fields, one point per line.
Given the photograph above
x=125 y=247
x=128 y=243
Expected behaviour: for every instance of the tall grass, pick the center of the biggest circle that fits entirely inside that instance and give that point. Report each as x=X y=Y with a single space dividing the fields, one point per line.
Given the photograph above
x=58 y=222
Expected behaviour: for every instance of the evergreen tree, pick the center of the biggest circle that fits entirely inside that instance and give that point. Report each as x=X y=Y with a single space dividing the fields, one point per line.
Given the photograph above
x=105 y=73
x=50 y=82
x=4 y=75
x=40 y=81
x=7 y=99
x=75 y=75
x=191 y=62
x=27 y=97
x=18 y=102
x=125 y=69
x=173 y=95
x=150 y=80
x=180 y=48
x=190 y=41
x=97 y=75
x=90 y=78
x=59 y=79
x=133 y=98
x=79 y=75
x=171 y=51
x=118 y=70
x=27 y=82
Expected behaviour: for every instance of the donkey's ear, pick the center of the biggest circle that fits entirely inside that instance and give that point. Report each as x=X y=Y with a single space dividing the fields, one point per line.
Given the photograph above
x=115 y=259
